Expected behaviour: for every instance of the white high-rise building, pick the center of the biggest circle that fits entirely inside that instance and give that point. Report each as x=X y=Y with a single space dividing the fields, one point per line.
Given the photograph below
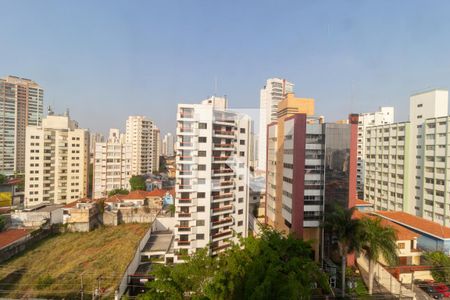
x=112 y=165
x=168 y=145
x=143 y=136
x=21 y=106
x=273 y=92
x=56 y=161
x=212 y=176
x=384 y=116
x=407 y=166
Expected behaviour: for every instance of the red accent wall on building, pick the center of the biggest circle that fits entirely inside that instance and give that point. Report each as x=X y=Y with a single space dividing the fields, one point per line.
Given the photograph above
x=298 y=183
x=352 y=192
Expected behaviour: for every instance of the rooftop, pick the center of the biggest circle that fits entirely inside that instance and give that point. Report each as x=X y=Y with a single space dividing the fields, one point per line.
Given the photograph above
x=403 y=233
x=10 y=236
x=360 y=202
x=416 y=223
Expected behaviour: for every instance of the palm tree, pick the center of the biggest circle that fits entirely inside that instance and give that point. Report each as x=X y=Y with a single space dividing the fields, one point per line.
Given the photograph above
x=347 y=232
x=378 y=242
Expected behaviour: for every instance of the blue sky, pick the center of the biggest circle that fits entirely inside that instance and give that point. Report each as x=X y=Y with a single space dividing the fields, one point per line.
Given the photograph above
x=105 y=60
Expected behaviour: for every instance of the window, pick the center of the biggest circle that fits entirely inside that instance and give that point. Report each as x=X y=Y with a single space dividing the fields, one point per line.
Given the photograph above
x=241 y=211
x=202 y=153
x=201 y=167
x=200 y=236
x=200 y=195
x=401 y=245
x=419 y=105
x=240 y=223
x=242 y=130
x=202 y=126
x=202 y=139
x=419 y=117
x=242 y=142
x=200 y=223
x=200 y=208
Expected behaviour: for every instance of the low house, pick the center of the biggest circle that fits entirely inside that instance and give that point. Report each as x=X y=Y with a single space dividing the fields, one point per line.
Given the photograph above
x=408 y=251
x=363 y=206
x=37 y=216
x=432 y=236
x=81 y=215
x=136 y=207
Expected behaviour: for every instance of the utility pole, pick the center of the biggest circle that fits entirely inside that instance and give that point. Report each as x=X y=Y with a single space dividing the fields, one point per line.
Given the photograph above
x=81 y=288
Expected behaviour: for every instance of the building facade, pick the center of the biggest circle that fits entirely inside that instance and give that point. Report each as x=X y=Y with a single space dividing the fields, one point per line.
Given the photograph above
x=21 y=106
x=56 y=161
x=112 y=165
x=311 y=166
x=385 y=115
x=212 y=187
x=271 y=94
x=168 y=145
x=406 y=164
x=143 y=136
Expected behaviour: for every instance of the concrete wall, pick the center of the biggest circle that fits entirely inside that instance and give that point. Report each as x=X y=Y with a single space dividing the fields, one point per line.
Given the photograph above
x=22 y=244
x=35 y=219
x=164 y=223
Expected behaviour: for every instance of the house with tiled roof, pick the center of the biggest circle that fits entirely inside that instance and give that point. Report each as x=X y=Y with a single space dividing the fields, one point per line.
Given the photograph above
x=81 y=215
x=407 y=240
x=363 y=206
x=432 y=236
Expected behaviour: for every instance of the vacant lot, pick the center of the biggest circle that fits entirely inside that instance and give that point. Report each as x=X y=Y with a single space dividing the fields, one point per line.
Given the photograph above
x=55 y=267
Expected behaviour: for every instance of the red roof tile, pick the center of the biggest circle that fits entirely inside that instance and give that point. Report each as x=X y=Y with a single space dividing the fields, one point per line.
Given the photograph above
x=417 y=223
x=10 y=236
x=403 y=233
x=359 y=202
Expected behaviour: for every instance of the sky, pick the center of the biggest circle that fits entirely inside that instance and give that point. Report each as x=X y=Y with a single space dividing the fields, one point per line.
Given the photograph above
x=106 y=60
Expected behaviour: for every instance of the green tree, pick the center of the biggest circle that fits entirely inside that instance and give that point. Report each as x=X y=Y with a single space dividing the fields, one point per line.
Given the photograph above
x=347 y=232
x=3 y=178
x=118 y=192
x=441 y=265
x=137 y=183
x=2 y=223
x=271 y=266
x=378 y=241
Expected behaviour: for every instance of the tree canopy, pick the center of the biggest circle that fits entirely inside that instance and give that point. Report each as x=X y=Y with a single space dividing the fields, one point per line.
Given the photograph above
x=271 y=266
x=118 y=192
x=137 y=182
x=441 y=265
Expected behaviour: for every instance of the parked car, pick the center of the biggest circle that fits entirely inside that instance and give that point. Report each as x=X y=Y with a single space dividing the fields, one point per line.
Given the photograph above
x=442 y=289
x=431 y=291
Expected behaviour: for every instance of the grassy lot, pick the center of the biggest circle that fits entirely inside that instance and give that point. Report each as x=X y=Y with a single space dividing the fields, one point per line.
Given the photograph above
x=53 y=267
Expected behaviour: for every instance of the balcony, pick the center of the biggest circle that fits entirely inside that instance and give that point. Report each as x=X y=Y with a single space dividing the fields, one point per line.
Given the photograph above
x=224 y=185
x=183 y=215
x=221 y=158
x=185 y=158
x=219 y=248
x=224 y=197
x=223 y=222
x=222 y=210
x=224 y=146
x=183 y=228
x=227 y=133
x=186 y=115
x=184 y=200
x=222 y=235
x=186 y=145
x=183 y=243
x=222 y=171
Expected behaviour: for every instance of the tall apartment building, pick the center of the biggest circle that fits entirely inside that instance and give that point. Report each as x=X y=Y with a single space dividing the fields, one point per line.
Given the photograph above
x=385 y=115
x=212 y=176
x=311 y=165
x=143 y=136
x=271 y=94
x=168 y=144
x=56 y=161
x=21 y=105
x=157 y=146
x=112 y=165
x=406 y=167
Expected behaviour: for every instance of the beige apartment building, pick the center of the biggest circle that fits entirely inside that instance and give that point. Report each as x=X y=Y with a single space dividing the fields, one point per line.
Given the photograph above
x=56 y=161
x=112 y=164
x=143 y=136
